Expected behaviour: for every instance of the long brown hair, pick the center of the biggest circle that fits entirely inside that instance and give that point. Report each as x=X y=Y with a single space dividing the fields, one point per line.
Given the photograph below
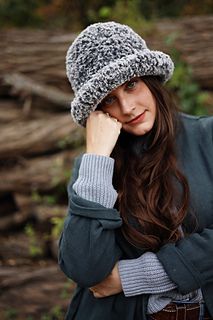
x=153 y=194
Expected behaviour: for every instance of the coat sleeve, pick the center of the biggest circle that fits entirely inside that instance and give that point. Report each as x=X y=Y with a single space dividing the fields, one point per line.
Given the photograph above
x=189 y=262
x=87 y=247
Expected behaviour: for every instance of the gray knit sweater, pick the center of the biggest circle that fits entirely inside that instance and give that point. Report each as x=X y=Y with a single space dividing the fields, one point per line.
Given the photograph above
x=144 y=275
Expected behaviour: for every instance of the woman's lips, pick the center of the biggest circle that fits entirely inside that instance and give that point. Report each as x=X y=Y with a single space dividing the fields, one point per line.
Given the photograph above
x=137 y=119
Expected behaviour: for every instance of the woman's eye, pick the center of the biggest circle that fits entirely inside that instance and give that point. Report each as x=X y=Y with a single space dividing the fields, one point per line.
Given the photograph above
x=131 y=84
x=108 y=101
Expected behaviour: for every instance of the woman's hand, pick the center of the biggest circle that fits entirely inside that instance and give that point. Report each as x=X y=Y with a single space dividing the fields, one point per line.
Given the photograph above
x=109 y=286
x=102 y=132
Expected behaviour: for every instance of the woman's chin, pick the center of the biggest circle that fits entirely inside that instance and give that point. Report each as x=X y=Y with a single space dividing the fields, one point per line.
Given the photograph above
x=138 y=130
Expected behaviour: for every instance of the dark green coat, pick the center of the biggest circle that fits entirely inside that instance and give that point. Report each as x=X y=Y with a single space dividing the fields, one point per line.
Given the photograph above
x=91 y=242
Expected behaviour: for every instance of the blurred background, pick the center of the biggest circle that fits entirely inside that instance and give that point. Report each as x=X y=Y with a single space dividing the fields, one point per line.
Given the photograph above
x=39 y=141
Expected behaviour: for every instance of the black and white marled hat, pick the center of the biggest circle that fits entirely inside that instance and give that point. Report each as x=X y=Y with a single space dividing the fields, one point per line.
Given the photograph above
x=104 y=56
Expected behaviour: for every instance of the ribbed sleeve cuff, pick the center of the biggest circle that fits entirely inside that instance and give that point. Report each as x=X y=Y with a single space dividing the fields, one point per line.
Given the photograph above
x=94 y=182
x=144 y=275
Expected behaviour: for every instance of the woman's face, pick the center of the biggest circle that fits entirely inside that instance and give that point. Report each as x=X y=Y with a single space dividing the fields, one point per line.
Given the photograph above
x=133 y=105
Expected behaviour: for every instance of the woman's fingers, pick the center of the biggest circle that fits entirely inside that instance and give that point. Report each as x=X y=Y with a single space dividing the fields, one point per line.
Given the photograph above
x=102 y=133
x=109 y=286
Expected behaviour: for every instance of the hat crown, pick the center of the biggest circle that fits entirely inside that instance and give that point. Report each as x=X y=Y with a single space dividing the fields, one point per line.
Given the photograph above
x=96 y=47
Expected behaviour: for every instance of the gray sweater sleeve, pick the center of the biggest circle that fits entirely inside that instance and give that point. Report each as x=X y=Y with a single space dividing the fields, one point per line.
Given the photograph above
x=94 y=183
x=144 y=275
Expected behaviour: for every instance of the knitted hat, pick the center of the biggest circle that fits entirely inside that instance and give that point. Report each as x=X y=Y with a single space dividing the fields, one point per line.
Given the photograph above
x=104 y=56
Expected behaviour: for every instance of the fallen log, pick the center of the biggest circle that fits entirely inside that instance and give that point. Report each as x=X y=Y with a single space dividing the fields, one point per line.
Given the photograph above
x=34 y=291
x=16 y=248
x=41 y=54
x=9 y=111
x=15 y=219
x=39 y=136
x=19 y=279
x=43 y=213
x=38 y=174
x=12 y=110
x=193 y=38
x=19 y=247
x=29 y=209
x=23 y=83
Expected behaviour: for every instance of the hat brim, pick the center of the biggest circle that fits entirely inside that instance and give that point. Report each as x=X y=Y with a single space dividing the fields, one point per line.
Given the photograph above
x=145 y=63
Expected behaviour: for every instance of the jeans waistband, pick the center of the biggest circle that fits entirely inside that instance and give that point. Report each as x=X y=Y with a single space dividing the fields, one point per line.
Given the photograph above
x=182 y=311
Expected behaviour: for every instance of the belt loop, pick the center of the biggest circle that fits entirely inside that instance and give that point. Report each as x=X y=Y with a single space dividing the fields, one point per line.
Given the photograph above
x=202 y=311
x=176 y=307
x=185 y=311
x=179 y=308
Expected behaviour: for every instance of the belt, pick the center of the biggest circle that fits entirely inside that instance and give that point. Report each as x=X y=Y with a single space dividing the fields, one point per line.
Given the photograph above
x=181 y=311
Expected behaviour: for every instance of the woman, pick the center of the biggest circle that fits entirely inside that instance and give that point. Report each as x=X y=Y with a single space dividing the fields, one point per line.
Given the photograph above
x=138 y=238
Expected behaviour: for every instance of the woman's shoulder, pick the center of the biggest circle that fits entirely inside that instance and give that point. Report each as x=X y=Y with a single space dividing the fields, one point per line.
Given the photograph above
x=201 y=124
x=196 y=119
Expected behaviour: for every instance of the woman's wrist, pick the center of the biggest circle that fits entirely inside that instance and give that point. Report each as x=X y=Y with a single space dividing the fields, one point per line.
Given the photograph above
x=98 y=152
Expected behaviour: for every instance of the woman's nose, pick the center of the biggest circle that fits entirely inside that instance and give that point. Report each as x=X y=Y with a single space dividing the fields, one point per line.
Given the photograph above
x=126 y=106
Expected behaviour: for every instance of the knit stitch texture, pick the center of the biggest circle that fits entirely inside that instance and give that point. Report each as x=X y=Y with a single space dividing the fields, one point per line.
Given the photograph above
x=104 y=56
